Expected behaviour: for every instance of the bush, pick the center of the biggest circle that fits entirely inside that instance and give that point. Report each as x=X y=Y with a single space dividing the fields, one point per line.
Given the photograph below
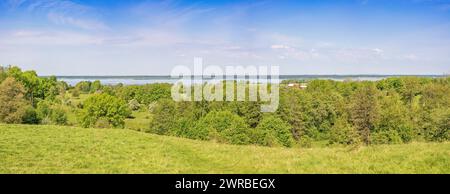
x=59 y=116
x=394 y=115
x=164 y=117
x=102 y=123
x=438 y=129
x=51 y=113
x=343 y=133
x=386 y=137
x=305 y=141
x=134 y=105
x=222 y=126
x=273 y=131
x=182 y=128
x=30 y=117
x=83 y=86
x=104 y=106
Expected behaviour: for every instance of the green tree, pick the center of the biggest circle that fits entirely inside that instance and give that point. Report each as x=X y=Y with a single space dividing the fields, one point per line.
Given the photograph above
x=164 y=117
x=83 y=86
x=13 y=106
x=438 y=126
x=364 y=110
x=293 y=108
x=394 y=115
x=95 y=86
x=343 y=132
x=273 y=131
x=223 y=126
x=250 y=111
x=104 y=106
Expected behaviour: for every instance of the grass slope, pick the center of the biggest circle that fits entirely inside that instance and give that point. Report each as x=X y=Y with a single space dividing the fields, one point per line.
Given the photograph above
x=56 y=149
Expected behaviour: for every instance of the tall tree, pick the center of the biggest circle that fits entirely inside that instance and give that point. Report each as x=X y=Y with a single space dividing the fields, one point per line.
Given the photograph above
x=13 y=106
x=364 y=110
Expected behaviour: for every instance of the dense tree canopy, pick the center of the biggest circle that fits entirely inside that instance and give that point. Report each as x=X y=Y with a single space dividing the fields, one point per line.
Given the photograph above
x=391 y=110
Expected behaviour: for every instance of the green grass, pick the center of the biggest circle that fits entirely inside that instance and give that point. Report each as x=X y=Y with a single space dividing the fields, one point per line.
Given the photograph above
x=56 y=149
x=140 y=122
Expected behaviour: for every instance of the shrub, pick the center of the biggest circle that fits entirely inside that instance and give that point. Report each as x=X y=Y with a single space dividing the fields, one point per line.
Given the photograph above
x=273 y=131
x=134 y=105
x=51 y=113
x=305 y=141
x=386 y=137
x=30 y=116
x=83 y=86
x=394 y=116
x=438 y=129
x=59 y=116
x=102 y=123
x=222 y=126
x=164 y=117
x=182 y=128
x=343 y=133
x=111 y=108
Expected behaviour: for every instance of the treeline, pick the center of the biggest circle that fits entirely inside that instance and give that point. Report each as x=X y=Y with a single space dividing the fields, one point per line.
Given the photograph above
x=389 y=111
x=27 y=98
x=393 y=110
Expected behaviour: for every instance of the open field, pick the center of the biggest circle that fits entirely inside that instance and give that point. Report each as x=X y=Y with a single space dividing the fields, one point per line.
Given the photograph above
x=57 y=149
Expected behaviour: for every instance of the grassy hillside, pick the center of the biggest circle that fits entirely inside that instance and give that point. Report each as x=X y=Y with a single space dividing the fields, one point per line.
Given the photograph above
x=56 y=149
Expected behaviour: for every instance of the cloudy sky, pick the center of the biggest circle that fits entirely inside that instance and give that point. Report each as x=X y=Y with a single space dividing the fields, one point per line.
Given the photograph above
x=140 y=37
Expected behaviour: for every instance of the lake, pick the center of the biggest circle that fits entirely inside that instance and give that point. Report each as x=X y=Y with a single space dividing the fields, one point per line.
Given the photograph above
x=140 y=80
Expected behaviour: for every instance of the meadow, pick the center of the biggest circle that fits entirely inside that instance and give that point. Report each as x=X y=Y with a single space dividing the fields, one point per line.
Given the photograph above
x=63 y=149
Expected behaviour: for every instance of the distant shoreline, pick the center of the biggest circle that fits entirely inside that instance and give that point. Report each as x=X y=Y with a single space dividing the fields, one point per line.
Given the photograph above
x=149 y=79
x=280 y=76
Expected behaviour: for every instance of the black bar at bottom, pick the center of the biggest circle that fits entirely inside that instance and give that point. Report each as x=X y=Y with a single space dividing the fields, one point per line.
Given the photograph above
x=261 y=183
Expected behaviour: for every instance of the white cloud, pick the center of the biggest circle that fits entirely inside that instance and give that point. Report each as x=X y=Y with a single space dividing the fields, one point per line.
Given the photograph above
x=378 y=51
x=279 y=46
x=46 y=38
x=77 y=22
x=62 y=12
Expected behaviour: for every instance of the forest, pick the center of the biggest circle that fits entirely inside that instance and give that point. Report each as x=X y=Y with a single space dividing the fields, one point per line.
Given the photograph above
x=395 y=110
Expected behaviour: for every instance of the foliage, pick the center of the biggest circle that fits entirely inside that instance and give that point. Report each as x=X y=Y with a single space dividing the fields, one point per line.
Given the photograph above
x=164 y=117
x=13 y=106
x=364 y=110
x=223 y=126
x=37 y=88
x=134 y=105
x=343 y=132
x=31 y=116
x=389 y=111
x=145 y=94
x=386 y=137
x=51 y=113
x=273 y=131
x=104 y=106
x=83 y=86
x=394 y=117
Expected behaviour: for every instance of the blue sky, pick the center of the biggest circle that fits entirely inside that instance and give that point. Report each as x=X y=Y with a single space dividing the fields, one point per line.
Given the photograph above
x=141 y=37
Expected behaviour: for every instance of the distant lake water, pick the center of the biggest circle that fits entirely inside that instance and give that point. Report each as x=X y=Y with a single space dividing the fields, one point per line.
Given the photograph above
x=140 y=80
